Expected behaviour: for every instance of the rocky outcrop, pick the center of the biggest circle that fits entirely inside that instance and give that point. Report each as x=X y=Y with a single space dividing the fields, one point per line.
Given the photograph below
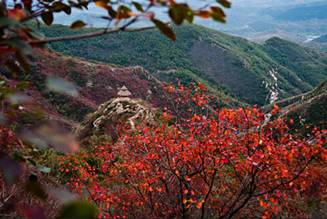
x=120 y=110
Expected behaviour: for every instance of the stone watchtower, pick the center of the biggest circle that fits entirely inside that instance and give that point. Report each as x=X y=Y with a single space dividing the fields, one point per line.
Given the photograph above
x=122 y=109
x=123 y=92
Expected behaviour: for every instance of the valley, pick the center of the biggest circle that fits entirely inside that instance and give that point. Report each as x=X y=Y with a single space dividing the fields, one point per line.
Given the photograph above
x=237 y=72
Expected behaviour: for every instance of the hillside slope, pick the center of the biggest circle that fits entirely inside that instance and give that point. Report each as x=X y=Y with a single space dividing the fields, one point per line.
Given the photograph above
x=311 y=108
x=309 y=65
x=227 y=63
x=306 y=109
x=95 y=82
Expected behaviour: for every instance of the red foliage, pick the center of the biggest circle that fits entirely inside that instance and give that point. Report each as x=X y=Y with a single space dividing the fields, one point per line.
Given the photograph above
x=19 y=197
x=101 y=81
x=227 y=164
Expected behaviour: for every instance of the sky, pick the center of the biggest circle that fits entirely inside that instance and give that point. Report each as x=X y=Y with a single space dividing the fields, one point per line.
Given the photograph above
x=236 y=4
x=244 y=15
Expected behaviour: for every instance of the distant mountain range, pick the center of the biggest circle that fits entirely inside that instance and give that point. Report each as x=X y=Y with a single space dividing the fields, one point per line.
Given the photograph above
x=297 y=20
x=321 y=39
x=302 y=12
x=229 y=65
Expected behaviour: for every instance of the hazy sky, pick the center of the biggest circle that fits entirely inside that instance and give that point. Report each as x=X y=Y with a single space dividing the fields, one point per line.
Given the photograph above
x=272 y=2
x=235 y=16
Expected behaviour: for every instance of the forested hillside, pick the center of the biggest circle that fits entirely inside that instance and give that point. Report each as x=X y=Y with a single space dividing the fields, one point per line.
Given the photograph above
x=224 y=62
x=309 y=65
x=306 y=110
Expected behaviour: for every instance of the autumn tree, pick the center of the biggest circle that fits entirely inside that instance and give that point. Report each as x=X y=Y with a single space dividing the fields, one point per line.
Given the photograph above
x=201 y=163
x=18 y=37
x=225 y=164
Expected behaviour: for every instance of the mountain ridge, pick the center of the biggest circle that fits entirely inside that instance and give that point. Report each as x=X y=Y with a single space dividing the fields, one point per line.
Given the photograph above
x=228 y=64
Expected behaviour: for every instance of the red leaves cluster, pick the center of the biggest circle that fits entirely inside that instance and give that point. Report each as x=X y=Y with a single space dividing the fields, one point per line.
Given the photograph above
x=188 y=100
x=193 y=94
x=227 y=164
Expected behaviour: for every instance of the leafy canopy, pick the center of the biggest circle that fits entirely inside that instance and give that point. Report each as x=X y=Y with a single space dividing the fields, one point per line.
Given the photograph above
x=228 y=163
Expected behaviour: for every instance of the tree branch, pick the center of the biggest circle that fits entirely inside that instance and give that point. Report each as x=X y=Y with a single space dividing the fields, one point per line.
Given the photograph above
x=96 y=33
x=88 y=35
x=208 y=194
x=286 y=182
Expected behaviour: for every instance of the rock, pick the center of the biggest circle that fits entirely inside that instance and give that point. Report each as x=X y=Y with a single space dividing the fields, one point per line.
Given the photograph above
x=116 y=111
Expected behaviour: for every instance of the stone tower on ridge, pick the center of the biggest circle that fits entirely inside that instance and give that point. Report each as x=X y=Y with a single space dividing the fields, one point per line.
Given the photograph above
x=123 y=92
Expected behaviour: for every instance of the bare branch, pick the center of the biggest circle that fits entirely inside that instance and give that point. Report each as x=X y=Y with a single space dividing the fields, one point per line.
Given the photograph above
x=88 y=35
x=286 y=182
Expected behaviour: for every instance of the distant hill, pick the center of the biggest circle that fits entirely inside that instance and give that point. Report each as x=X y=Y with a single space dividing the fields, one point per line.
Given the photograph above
x=319 y=43
x=303 y=12
x=321 y=39
x=226 y=63
x=308 y=64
